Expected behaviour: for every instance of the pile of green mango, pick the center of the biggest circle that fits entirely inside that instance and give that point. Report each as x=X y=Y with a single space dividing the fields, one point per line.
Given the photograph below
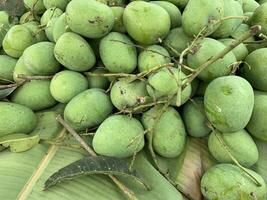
x=123 y=69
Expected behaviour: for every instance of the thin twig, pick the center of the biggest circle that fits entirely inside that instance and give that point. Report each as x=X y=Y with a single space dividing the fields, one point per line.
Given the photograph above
x=129 y=193
x=29 y=78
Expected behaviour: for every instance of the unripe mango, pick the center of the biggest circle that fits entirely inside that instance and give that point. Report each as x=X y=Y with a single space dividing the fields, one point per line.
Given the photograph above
x=240 y=144
x=91 y=19
x=229 y=182
x=36 y=6
x=20 y=68
x=28 y=17
x=257 y=124
x=118 y=53
x=88 y=109
x=7 y=65
x=35 y=95
x=98 y=82
x=204 y=51
x=60 y=27
x=168 y=130
x=37 y=32
x=67 y=84
x=61 y=4
x=152 y=57
x=195 y=19
x=118 y=19
x=250 y=5
x=74 y=52
x=229 y=102
x=50 y=14
x=146 y=22
x=125 y=94
x=119 y=136
x=195 y=119
x=15 y=118
x=255 y=68
x=259 y=17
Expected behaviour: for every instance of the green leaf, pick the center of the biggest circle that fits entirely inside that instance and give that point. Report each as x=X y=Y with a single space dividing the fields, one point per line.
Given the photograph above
x=7 y=91
x=94 y=165
x=13 y=7
x=22 y=177
x=19 y=142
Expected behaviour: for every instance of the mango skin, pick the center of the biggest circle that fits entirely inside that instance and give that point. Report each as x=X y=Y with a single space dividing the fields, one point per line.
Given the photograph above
x=28 y=17
x=195 y=119
x=40 y=60
x=228 y=182
x=163 y=84
x=118 y=19
x=35 y=95
x=178 y=40
x=255 y=68
x=146 y=22
x=61 y=4
x=91 y=19
x=241 y=30
x=152 y=57
x=240 y=144
x=257 y=124
x=17 y=39
x=194 y=19
x=205 y=50
x=20 y=68
x=50 y=14
x=88 y=109
x=34 y=27
x=60 y=27
x=118 y=56
x=169 y=134
x=36 y=5
x=250 y=5
x=67 y=84
x=173 y=11
x=119 y=136
x=98 y=82
x=125 y=94
x=240 y=51
x=16 y=118
x=227 y=27
x=259 y=17
x=74 y=52
x=227 y=99
x=7 y=65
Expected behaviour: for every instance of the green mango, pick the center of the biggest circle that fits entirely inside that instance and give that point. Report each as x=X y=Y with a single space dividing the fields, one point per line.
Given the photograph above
x=119 y=136
x=205 y=49
x=168 y=131
x=179 y=3
x=4 y=17
x=229 y=182
x=88 y=109
x=35 y=95
x=250 y=5
x=173 y=11
x=113 y=3
x=91 y=19
x=40 y=60
x=255 y=68
x=3 y=31
x=195 y=119
x=176 y=41
x=61 y=4
x=37 y=32
x=257 y=124
x=153 y=56
x=202 y=88
x=67 y=84
x=37 y=6
x=227 y=27
x=118 y=53
x=50 y=28
x=163 y=84
x=229 y=102
x=16 y=118
x=60 y=27
x=240 y=144
x=17 y=39
x=195 y=19
x=74 y=52
x=118 y=19
x=146 y=22
x=50 y=14
x=259 y=17
x=20 y=68
x=7 y=65
x=240 y=31
x=262 y=1
x=125 y=94
x=98 y=81
x=28 y=17
x=240 y=51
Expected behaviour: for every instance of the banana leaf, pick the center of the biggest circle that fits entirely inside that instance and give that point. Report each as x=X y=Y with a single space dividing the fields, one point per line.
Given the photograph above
x=22 y=176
